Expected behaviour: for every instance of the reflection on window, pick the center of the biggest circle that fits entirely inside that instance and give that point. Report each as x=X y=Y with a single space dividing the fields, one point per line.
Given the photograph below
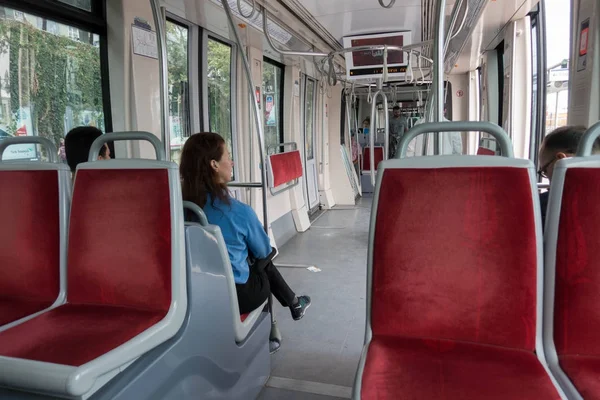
x=309 y=118
x=219 y=90
x=272 y=100
x=49 y=83
x=83 y=4
x=177 y=58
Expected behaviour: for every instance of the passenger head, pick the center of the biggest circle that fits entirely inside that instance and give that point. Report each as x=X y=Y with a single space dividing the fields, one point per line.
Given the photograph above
x=367 y=122
x=78 y=143
x=396 y=111
x=205 y=169
x=558 y=144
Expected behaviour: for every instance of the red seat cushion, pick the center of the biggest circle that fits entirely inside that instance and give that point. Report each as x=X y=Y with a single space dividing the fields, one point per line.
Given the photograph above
x=75 y=334
x=14 y=309
x=577 y=294
x=285 y=167
x=463 y=266
x=378 y=151
x=400 y=368
x=29 y=242
x=584 y=373
x=119 y=276
x=244 y=316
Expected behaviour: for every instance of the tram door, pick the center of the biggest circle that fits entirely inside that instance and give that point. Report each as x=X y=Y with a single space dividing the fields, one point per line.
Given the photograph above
x=309 y=113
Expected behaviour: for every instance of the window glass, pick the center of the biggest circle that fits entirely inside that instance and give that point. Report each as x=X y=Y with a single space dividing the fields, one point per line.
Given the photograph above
x=273 y=101
x=177 y=57
x=557 y=14
x=83 y=4
x=50 y=80
x=309 y=117
x=219 y=90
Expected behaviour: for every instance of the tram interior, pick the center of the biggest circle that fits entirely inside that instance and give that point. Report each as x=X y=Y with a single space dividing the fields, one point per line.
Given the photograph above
x=431 y=270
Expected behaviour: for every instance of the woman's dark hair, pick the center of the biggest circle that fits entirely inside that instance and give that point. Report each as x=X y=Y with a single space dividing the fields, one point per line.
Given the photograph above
x=198 y=178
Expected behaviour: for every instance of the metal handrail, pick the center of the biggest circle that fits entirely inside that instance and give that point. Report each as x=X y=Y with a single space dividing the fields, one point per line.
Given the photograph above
x=52 y=156
x=132 y=135
x=587 y=141
x=438 y=64
x=390 y=5
x=293 y=145
x=257 y=115
x=373 y=132
x=195 y=208
x=239 y=5
x=285 y=52
x=458 y=126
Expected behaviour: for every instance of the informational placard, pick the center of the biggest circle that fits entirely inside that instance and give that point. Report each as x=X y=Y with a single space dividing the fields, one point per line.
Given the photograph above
x=364 y=64
x=144 y=42
x=270 y=110
x=584 y=35
x=24 y=128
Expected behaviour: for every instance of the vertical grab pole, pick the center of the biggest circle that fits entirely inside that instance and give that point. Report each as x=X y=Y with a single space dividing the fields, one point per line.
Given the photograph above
x=387 y=126
x=372 y=137
x=275 y=334
x=438 y=70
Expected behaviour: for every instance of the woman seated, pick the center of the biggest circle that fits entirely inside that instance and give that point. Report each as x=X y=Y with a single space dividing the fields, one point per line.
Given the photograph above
x=206 y=168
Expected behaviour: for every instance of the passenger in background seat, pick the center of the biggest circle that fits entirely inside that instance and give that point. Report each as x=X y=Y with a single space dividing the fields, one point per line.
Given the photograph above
x=557 y=145
x=78 y=143
x=206 y=168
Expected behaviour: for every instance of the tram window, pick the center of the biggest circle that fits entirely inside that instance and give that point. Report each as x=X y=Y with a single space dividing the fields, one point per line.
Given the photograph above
x=273 y=101
x=309 y=118
x=219 y=90
x=50 y=79
x=557 y=14
x=178 y=61
x=82 y=4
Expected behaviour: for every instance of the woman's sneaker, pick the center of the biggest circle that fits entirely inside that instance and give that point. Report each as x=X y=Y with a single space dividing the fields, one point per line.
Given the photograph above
x=300 y=307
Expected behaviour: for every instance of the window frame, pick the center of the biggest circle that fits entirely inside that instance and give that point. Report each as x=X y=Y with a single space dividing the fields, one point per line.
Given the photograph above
x=538 y=126
x=192 y=30
x=307 y=78
x=267 y=60
x=92 y=21
x=203 y=66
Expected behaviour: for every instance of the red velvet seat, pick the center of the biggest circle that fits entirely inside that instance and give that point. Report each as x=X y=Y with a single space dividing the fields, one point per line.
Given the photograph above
x=573 y=240
x=454 y=292
x=441 y=369
x=366 y=160
x=119 y=275
x=29 y=239
x=284 y=167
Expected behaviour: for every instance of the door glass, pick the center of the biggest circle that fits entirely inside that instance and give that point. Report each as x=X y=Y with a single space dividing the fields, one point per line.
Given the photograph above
x=177 y=57
x=557 y=59
x=309 y=118
x=50 y=81
x=219 y=90
x=272 y=99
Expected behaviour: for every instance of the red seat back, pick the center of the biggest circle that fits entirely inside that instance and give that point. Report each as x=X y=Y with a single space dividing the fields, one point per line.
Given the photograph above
x=284 y=167
x=482 y=151
x=454 y=255
x=378 y=151
x=577 y=281
x=29 y=236
x=120 y=239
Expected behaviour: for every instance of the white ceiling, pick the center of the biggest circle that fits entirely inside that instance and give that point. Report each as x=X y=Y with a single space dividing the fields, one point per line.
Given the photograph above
x=349 y=17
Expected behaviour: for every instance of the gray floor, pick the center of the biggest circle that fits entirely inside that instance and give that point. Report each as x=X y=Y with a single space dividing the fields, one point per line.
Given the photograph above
x=325 y=345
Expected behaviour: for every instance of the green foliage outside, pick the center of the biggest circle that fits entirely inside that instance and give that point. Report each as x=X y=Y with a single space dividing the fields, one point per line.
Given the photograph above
x=49 y=73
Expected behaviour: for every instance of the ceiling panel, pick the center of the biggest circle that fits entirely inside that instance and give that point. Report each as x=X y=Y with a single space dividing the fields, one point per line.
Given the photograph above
x=349 y=17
